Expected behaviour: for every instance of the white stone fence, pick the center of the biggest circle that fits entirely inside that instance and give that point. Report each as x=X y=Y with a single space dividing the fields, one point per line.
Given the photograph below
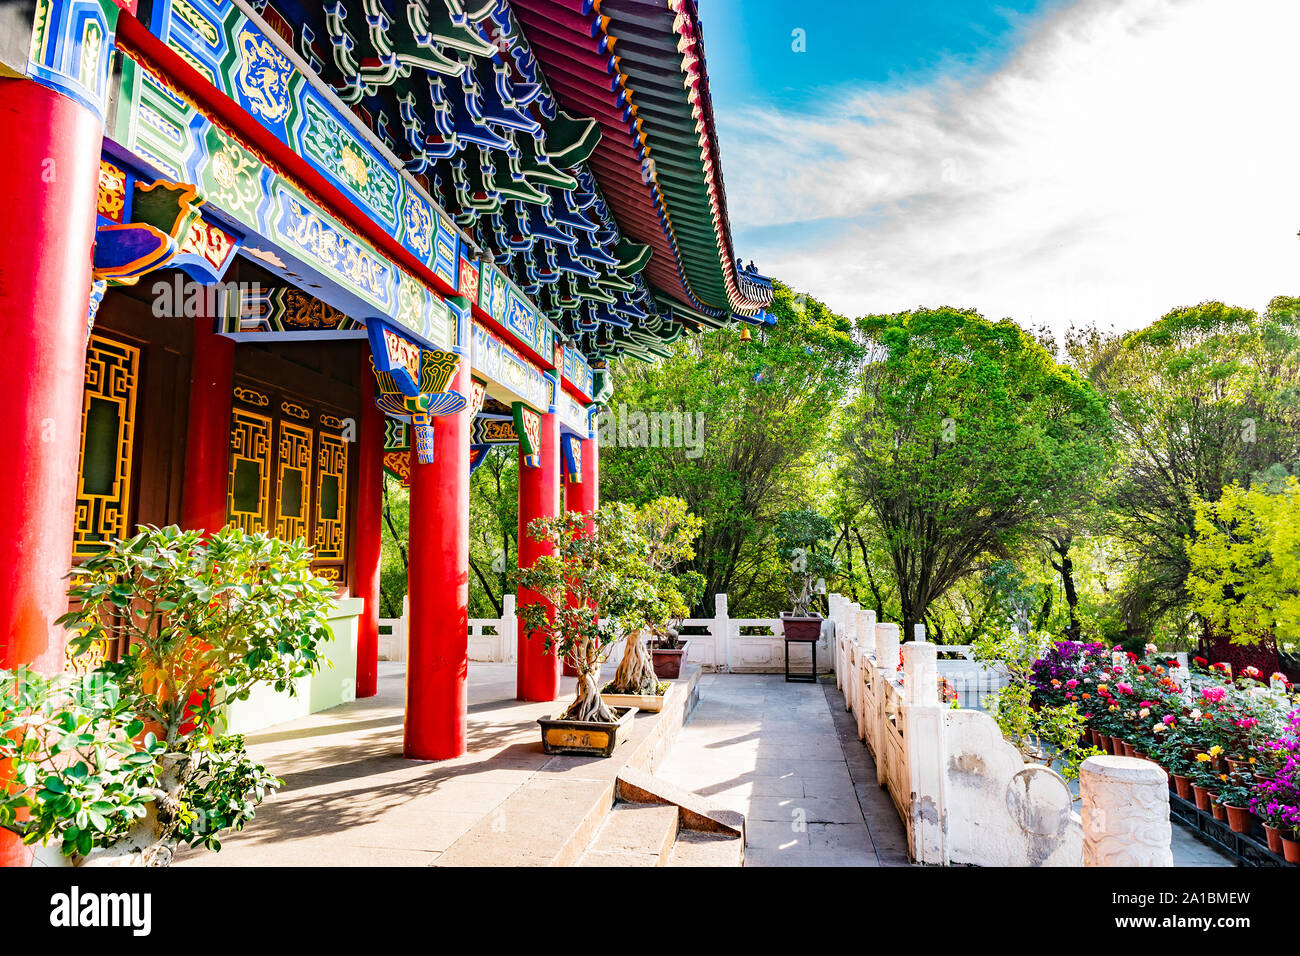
x=490 y=638
x=718 y=644
x=964 y=793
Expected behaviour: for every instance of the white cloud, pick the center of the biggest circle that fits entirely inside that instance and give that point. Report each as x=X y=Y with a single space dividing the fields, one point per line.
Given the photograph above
x=1131 y=157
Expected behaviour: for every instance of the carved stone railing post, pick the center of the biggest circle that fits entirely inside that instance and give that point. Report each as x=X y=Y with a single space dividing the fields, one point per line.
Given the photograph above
x=886 y=667
x=866 y=648
x=833 y=611
x=850 y=618
x=1125 y=812
x=923 y=738
x=721 y=631
x=507 y=633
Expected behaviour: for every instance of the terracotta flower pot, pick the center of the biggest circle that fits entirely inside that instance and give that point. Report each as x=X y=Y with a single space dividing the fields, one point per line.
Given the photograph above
x=1129 y=749
x=1097 y=739
x=1182 y=785
x=806 y=627
x=668 y=660
x=1140 y=755
x=1274 y=838
x=1291 y=850
x=1202 y=798
x=1219 y=810
x=1239 y=818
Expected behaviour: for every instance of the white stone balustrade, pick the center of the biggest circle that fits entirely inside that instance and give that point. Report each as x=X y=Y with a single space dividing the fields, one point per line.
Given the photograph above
x=966 y=795
x=864 y=651
x=718 y=644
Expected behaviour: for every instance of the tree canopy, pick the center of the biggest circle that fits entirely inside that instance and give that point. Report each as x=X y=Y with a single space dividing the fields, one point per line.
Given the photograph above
x=965 y=437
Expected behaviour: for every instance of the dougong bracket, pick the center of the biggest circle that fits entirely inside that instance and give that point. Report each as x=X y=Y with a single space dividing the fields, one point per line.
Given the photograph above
x=413 y=382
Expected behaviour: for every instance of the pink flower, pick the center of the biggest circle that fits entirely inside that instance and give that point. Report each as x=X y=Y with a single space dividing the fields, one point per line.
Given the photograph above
x=1213 y=694
x=1170 y=719
x=1071 y=683
x=1124 y=688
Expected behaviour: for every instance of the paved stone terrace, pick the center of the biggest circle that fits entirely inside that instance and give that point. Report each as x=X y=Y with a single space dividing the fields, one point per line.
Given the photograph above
x=787 y=756
x=350 y=799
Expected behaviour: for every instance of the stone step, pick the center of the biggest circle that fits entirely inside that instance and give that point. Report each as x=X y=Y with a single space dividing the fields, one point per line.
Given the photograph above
x=634 y=834
x=701 y=848
x=637 y=786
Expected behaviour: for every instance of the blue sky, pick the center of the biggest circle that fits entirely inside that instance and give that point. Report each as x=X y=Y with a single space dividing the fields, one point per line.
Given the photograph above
x=1056 y=161
x=753 y=60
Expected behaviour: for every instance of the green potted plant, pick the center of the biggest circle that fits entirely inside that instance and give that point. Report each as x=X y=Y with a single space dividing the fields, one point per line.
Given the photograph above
x=1235 y=792
x=800 y=538
x=1205 y=779
x=583 y=578
x=203 y=621
x=1170 y=751
x=83 y=770
x=654 y=598
x=1043 y=731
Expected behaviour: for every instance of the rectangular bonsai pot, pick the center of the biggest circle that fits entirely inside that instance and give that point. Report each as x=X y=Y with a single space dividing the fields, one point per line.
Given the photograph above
x=804 y=627
x=668 y=660
x=648 y=703
x=590 y=738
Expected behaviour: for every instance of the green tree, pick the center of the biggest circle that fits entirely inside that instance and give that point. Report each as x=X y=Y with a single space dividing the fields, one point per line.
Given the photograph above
x=1245 y=563
x=966 y=437
x=493 y=528
x=765 y=404
x=1203 y=398
x=393 y=560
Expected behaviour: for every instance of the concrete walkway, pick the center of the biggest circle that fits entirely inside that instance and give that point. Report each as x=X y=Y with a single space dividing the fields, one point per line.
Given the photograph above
x=788 y=759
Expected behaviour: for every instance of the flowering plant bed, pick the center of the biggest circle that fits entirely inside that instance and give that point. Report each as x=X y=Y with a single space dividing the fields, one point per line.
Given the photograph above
x=1232 y=740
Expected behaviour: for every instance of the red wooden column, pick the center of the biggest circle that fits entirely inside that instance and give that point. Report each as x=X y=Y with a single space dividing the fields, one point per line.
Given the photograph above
x=207 y=441
x=582 y=497
x=370 y=492
x=437 y=658
x=537 y=673
x=587 y=494
x=49 y=174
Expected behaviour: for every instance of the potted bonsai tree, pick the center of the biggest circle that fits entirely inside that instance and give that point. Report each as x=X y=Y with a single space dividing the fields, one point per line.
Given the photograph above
x=130 y=761
x=581 y=580
x=646 y=613
x=800 y=536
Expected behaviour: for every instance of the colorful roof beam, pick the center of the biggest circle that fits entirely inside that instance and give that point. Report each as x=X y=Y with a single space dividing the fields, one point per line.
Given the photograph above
x=658 y=162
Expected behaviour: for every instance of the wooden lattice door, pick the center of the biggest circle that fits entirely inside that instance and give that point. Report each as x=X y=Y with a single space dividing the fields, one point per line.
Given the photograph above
x=289 y=473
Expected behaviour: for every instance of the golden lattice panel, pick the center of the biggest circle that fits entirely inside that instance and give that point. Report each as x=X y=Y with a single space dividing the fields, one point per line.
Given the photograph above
x=291 y=505
x=331 y=497
x=107 y=444
x=248 y=484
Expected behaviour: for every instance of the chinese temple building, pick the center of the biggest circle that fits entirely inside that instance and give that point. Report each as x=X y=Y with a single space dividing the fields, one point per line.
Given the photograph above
x=258 y=252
